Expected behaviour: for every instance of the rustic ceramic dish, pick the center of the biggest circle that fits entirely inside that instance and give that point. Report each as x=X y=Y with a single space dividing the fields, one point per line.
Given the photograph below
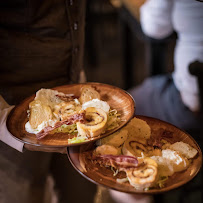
x=117 y=99
x=78 y=156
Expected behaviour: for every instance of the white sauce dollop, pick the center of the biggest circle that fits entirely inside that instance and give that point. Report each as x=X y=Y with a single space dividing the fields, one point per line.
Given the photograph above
x=40 y=127
x=97 y=104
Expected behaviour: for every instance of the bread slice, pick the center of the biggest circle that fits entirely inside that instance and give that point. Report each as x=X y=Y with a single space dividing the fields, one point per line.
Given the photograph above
x=48 y=97
x=184 y=149
x=88 y=93
x=39 y=113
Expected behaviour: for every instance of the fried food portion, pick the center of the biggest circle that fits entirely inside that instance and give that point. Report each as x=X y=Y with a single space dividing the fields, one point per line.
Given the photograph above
x=95 y=125
x=134 y=147
x=65 y=109
x=143 y=176
x=138 y=128
x=107 y=149
x=116 y=139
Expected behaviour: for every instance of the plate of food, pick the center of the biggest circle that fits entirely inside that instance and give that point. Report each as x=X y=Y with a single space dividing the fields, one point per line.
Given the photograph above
x=70 y=115
x=147 y=156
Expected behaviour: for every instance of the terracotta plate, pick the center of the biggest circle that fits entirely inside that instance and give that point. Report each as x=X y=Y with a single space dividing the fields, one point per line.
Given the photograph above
x=117 y=99
x=78 y=156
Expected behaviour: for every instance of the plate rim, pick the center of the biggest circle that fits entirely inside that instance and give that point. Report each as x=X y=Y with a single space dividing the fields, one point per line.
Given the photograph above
x=71 y=144
x=153 y=191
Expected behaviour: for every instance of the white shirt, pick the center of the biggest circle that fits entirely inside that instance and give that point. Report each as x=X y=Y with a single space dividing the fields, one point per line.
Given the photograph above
x=5 y=136
x=158 y=20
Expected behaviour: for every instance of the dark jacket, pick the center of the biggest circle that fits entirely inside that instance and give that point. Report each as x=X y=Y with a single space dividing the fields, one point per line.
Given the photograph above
x=41 y=45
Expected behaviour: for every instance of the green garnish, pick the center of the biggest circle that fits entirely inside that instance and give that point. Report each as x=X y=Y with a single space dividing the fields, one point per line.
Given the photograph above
x=76 y=140
x=114 y=172
x=70 y=129
x=113 y=119
x=162 y=181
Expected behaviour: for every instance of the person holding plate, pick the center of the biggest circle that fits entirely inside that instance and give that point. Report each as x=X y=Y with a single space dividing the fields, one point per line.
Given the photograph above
x=41 y=45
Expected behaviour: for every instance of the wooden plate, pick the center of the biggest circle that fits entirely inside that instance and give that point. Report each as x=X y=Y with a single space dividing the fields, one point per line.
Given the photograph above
x=117 y=99
x=104 y=176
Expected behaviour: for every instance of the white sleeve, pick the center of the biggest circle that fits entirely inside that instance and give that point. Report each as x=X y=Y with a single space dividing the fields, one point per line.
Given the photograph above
x=155 y=18
x=5 y=135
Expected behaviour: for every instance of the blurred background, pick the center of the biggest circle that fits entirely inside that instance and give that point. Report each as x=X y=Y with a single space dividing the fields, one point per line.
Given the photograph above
x=116 y=50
